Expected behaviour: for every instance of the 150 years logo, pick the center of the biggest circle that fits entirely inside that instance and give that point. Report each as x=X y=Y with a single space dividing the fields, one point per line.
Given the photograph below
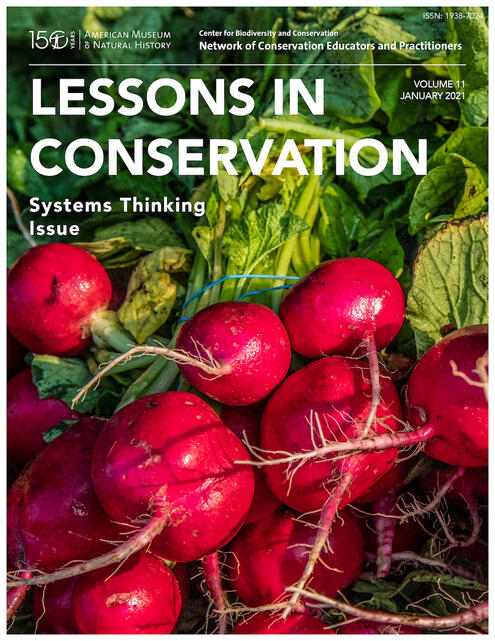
x=42 y=39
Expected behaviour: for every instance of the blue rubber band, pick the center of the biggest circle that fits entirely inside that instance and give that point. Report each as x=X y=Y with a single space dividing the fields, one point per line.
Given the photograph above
x=262 y=291
x=231 y=276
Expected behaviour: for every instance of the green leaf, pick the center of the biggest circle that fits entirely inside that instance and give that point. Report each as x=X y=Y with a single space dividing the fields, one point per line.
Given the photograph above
x=350 y=91
x=475 y=194
x=391 y=82
x=22 y=177
x=146 y=234
x=436 y=188
x=472 y=35
x=258 y=233
x=450 y=283
x=151 y=291
x=227 y=185
x=62 y=378
x=340 y=223
x=16 y=246
x=343 y=231
x=205 y=237
x=56 y=430
x=468 y=142
x=387 y=250
x=112 y=253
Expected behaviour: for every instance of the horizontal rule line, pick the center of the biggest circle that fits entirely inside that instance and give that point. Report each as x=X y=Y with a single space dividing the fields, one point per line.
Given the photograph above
x=242 y=64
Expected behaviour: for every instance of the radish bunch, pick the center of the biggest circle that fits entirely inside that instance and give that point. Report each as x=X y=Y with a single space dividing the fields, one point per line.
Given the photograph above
x=261 y=491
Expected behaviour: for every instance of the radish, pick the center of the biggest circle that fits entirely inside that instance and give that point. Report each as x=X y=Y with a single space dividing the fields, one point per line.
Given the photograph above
x=54 y=292
x=245 y=423
x=249 y=343
x=368 y=627
x=346 y=306
x=29 y=416
x=170 y=452
x=234 y=352
x=341 y=304
x=445 y=396
x=139 y=597
x=164 y=465
x=325 y=403
x=266 y=623
x=270 y=555
x=53 y=513
x=52 y=608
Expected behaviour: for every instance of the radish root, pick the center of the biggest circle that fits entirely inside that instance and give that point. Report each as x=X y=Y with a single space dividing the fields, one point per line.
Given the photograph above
x=137 y=542
x=471 y=615
x=375 y=382
x=385 y=533
x=205 y=363
x=373 y=443
x=16 y=595
x=327 y=517
x=213 y=578
x=436 y=499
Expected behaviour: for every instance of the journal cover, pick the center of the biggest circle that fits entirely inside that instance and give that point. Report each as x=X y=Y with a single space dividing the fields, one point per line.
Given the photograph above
x=247 y=315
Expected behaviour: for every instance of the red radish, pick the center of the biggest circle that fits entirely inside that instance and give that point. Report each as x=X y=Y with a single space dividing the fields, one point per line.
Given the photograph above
x=52 y=608
x=234 y=352
x=53 y=514
x=29 y=416
x=335 y=307
x=245 y=423
x=15 y=356
x=53 y=293
x=270 y=555
x=455 y=410
x=323 y=403
x=166 y=462
x=171 y=452
x=249 y=343
x=139 y=597
x=368 y=627
x=266 y=623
